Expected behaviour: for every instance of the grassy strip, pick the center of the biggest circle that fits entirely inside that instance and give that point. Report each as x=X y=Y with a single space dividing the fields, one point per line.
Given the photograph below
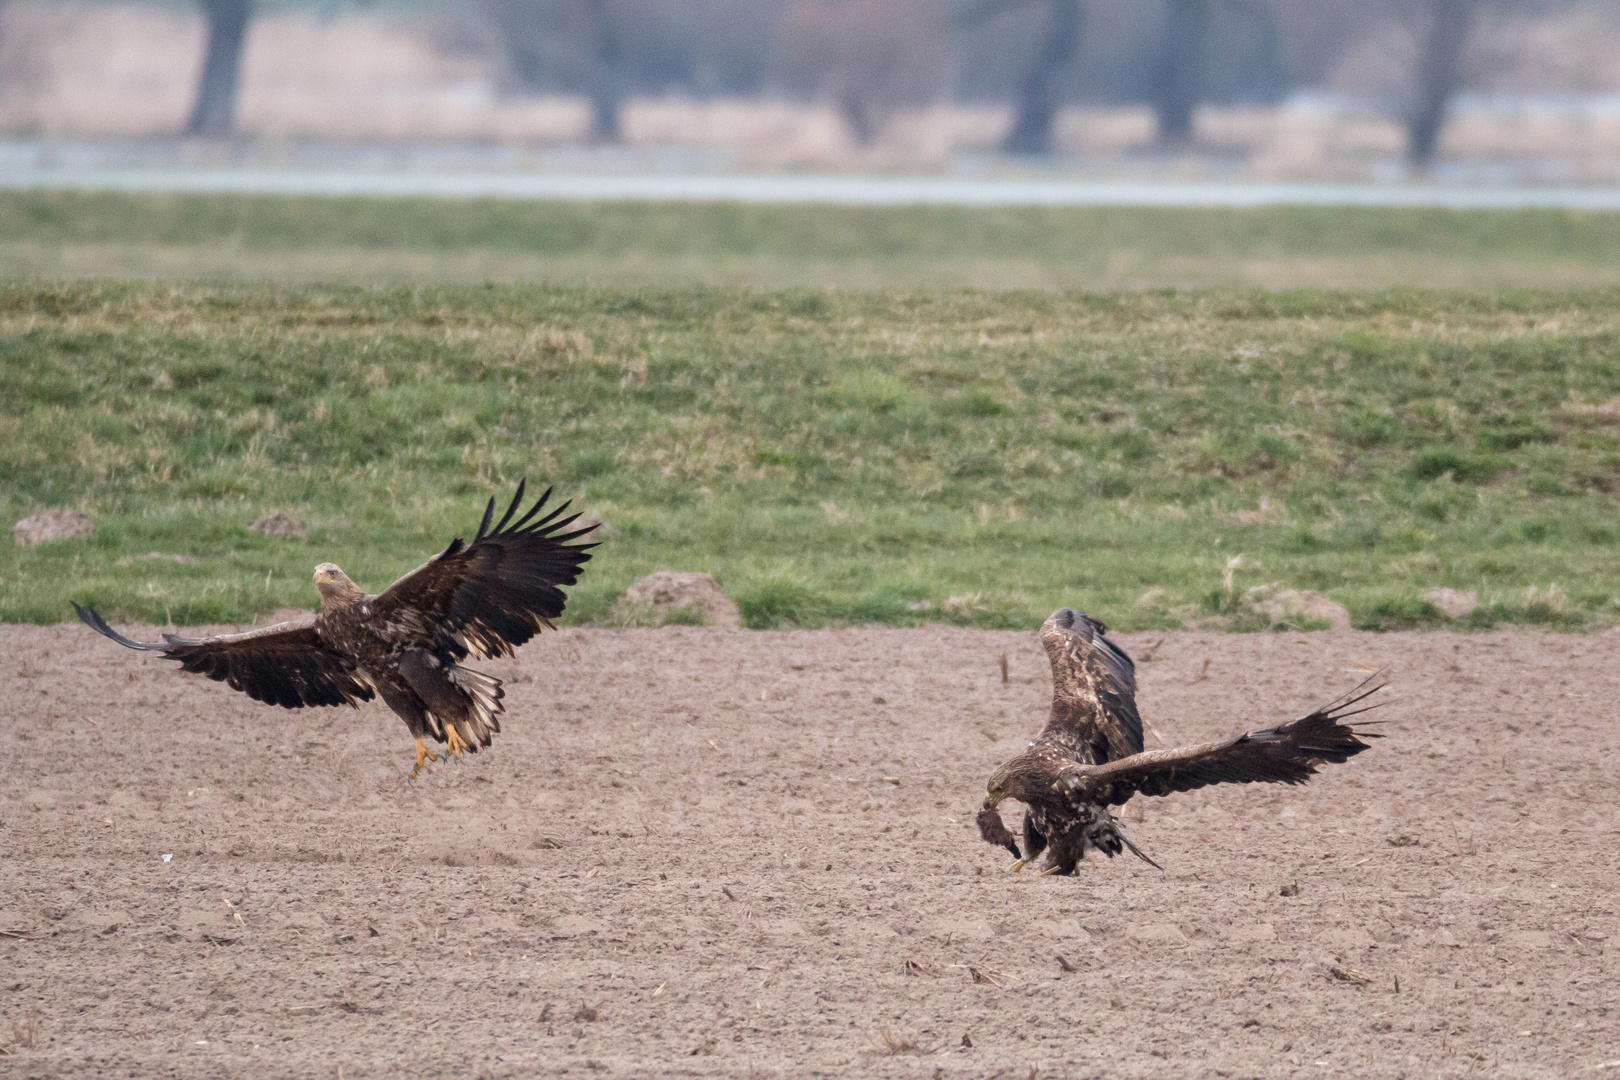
x=883 y=456
x=368 y=239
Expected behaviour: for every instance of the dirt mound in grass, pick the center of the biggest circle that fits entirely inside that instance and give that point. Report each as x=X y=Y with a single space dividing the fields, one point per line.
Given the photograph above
x=49 y=525
x=666 y=591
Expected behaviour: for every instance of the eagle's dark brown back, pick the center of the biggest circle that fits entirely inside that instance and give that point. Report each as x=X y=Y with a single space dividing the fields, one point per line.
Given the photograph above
x=1094 y=715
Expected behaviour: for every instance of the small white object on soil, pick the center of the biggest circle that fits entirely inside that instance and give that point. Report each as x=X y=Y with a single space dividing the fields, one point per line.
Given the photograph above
x=49 y=525
x=1296 y=605
x=166 y=858
x=1453 y=603
x=281 y=526
x=671 y=590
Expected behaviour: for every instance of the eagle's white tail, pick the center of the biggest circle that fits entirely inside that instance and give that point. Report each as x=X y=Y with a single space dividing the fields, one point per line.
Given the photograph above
x=481 y=720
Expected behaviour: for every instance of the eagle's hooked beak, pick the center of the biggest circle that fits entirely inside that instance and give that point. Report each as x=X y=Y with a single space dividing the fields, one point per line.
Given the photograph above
x=991 y=800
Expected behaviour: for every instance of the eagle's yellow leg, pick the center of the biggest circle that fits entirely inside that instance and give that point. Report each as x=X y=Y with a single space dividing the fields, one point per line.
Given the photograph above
x=1018 y=864
x=1049 y=871
x=455 y=745
x=423 y=756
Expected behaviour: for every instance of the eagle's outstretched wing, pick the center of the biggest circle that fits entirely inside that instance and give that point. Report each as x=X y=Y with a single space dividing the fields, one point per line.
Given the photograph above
x=492 y=595
x=1093 y=689
x=282 y=665
x=1286 y=754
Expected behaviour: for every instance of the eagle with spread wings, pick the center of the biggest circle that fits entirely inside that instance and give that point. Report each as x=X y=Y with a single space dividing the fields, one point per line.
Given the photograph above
x=1089 y=756
x=480 y=599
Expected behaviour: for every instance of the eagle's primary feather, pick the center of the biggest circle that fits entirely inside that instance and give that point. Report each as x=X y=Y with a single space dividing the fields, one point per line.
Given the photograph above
x=1090 y=757
x=481 y=599
x=490 y=596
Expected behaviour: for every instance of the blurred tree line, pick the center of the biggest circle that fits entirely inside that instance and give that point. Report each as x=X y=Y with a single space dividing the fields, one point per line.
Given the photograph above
x=872 y=58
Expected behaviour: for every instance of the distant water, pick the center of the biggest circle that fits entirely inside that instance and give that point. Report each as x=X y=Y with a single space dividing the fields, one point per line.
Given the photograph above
x=17 y=172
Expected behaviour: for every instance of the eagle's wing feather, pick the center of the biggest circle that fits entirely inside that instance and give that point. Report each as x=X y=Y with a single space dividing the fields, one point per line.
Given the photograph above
x=491 y=595
x=1286 y=754
x=286 y=664
x=1117 y=691
x=1093 y=688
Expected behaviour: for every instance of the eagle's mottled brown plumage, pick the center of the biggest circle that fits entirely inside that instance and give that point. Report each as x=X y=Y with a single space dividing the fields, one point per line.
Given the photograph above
x=480 y=599
x=1089 y=756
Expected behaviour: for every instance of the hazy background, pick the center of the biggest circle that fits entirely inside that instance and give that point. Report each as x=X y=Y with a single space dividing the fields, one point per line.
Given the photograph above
x=1148 y=411
x=1290 y=89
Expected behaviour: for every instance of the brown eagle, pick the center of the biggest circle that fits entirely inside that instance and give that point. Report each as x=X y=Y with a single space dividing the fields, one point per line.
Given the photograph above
x=1089 y=756
x=481 y=599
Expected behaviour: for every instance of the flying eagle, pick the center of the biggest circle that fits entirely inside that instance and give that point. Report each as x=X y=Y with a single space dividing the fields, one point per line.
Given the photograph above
x=481 y=599
x=1089 y=756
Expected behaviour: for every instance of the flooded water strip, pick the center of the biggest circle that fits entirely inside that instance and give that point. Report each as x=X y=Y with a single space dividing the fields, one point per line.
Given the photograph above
x=785 y=188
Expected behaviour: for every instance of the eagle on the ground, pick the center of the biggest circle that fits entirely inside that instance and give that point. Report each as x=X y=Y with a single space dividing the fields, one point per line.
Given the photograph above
x=480 y=599
x=1089 y=756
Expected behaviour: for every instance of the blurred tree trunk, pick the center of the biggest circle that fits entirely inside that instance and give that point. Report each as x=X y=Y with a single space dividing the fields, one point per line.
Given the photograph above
x=606 y=83
x=872 y=58
x=214 y=114
x=1178 y=83
x=1038 y=92
x=1439 y=76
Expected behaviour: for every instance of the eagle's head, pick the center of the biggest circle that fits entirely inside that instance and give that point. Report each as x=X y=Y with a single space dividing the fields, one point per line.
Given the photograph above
x=996 y=789
x=334 y=584
x=1028 y=778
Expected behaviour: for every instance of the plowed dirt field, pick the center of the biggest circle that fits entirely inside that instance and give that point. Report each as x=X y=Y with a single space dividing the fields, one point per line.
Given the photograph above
x=699 y=853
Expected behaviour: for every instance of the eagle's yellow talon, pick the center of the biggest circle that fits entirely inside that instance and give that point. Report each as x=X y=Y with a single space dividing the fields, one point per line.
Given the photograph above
x=455 y=745
x=1049 y=871
x=423 y=756
x=1018 y=864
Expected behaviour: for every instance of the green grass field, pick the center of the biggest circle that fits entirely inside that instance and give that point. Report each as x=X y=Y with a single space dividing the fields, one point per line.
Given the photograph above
x=831 y=457
x=370 y=241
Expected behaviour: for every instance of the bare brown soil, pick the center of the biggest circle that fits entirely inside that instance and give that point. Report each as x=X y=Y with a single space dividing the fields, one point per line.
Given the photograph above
x=698 y=853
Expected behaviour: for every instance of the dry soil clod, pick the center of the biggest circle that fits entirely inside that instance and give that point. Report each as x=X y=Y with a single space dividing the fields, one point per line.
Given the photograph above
x=887 y=1044
x=979 y=972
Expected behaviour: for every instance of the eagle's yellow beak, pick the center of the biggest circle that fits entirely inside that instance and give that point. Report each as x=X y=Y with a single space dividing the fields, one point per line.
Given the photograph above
x=991 y=799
